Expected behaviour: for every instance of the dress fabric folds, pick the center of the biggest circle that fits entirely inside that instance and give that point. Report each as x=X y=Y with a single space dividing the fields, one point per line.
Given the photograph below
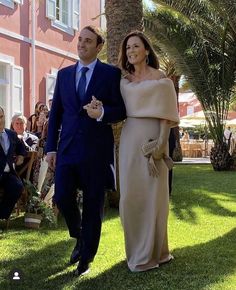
x=144 y=200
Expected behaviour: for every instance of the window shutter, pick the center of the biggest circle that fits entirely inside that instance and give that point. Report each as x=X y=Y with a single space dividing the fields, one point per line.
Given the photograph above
x=75 y=14
x=50 y=85
x=17 y=90
x=51 y=9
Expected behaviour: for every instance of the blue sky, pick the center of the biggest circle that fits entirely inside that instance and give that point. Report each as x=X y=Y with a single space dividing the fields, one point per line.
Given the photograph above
x=148 y=2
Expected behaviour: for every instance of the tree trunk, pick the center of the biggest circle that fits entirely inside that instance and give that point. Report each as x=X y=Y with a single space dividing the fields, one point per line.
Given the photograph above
x=122 y=17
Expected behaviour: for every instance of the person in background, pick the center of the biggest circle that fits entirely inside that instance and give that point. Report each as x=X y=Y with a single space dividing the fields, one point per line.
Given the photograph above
x=228 y=135
x=41 y=132
x=50 y=104
x=18 y=124
x=12 y=153
x=32 y=125
x=172 y=145
x=186 y=136
x=151 y=106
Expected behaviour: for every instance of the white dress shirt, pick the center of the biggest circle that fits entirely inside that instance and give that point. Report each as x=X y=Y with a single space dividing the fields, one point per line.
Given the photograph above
x=88 y=75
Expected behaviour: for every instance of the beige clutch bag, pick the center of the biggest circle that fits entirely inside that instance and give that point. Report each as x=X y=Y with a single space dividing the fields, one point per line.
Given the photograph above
x=150 y=146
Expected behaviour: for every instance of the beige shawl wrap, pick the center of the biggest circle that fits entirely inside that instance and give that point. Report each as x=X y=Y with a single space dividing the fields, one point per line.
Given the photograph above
x=151 y=99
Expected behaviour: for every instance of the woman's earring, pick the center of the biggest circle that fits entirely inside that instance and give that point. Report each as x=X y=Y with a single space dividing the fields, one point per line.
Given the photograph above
x=147 y=59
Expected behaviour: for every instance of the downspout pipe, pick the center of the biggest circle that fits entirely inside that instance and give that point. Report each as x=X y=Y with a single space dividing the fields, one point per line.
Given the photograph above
x=33 y=60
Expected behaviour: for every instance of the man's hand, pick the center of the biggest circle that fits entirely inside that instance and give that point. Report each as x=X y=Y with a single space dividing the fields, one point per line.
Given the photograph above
x=94 y=108
x=51 y=159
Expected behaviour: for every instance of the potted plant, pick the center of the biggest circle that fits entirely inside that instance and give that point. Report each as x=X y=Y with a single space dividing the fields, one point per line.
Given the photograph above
x=36 y=208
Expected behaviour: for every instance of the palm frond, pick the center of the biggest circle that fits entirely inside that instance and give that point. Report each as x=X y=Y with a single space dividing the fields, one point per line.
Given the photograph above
x=202 y=42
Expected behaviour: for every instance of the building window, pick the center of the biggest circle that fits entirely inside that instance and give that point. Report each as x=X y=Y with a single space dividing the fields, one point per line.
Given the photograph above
x=64 y=14
x=50 y=84
x=190 y=110
x=3 y=85
x=11 y=89
x=10 y=3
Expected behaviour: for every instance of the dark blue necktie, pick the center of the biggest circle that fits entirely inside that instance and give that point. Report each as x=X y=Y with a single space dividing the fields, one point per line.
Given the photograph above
x=82 y=83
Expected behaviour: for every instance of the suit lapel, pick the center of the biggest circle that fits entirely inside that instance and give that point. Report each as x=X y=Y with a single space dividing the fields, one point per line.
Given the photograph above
x=70 y=79
x=10 y=141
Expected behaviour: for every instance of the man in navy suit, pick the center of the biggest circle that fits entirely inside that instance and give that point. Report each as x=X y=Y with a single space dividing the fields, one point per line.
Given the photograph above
x=12 y=152
x=86 y=101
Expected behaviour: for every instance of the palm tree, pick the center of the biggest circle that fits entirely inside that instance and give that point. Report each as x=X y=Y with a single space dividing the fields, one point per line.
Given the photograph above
x=169 y=66
x=122 y=17
x=201 y=37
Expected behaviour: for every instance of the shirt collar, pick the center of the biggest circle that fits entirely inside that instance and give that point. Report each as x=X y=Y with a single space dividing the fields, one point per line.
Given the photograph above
x=90 y=66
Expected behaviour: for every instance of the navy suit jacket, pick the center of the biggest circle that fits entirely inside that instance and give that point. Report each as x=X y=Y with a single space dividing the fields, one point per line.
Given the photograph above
x=71 y=132
x=16 y=148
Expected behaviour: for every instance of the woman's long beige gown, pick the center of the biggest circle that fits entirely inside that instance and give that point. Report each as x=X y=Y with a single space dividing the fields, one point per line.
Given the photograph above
x=144 y=199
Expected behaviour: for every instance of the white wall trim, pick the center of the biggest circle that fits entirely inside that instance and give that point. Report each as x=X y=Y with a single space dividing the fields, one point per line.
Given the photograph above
x=14 y=35
x=7 y=58
x=38 y=44
x=56 y=50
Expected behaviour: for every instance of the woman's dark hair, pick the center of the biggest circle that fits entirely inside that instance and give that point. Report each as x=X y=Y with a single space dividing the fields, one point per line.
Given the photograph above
x=96 y=31
x=123 y=60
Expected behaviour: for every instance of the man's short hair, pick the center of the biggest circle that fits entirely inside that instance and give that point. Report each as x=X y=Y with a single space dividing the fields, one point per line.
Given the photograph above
x=1 y=108
x=96 y=31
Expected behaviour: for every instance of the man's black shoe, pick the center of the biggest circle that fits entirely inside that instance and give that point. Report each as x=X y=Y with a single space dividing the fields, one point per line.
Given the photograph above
x=82 y=269
x=76 y=254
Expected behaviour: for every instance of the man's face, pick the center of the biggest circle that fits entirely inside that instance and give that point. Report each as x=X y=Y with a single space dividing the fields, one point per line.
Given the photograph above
x=87 y=46
x=2 y=120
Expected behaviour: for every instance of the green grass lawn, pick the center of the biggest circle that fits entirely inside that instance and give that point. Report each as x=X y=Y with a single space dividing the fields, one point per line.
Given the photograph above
x=202 y=237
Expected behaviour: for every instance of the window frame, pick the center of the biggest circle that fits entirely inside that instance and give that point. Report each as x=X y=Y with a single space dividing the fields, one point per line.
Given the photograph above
x=10 y=86
x=11 y=3
x=73 y=16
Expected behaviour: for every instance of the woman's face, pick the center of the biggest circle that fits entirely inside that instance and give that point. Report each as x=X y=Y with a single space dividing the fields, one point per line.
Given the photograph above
x=45 y=110
x=135 y=50
x=39 y=107
x=19 y=126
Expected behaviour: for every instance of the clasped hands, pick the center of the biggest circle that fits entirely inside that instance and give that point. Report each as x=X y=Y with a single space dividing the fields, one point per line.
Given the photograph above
x=94 y=108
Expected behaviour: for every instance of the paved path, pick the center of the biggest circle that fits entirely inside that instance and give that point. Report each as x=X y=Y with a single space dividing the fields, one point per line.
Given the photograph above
x=200 y=160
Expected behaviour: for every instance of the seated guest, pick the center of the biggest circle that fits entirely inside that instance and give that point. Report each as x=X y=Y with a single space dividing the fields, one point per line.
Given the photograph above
x=12 y=152
x=18 y=124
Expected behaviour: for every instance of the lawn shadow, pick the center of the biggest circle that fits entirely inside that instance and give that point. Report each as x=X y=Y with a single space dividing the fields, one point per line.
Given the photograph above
x=196 y=267
x=32 y=262
x=189 y=193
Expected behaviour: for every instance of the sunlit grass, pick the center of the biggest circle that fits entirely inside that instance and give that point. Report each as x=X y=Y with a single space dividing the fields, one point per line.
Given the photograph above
x=202 y=238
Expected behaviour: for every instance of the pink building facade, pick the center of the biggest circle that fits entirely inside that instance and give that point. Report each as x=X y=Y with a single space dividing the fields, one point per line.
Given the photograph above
x=37 y=38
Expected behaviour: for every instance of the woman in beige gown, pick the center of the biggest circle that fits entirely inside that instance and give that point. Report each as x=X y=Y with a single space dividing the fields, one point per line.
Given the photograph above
x=151 y=107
